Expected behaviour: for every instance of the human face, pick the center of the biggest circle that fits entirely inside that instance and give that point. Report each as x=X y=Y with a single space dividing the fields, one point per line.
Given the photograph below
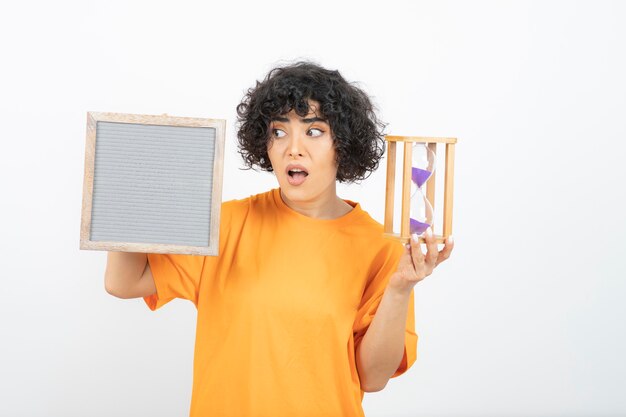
x=302 y=153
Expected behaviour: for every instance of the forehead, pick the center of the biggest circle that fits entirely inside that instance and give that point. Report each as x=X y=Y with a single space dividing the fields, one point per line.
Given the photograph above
x=306 y=108
x=312 y=115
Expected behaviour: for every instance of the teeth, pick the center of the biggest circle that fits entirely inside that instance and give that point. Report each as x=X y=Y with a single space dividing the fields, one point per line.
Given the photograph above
x=296 y=170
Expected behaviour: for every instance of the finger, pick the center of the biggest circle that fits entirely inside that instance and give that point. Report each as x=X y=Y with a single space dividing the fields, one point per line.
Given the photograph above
x=446 y=251
x=431 y=244
x=416 y=253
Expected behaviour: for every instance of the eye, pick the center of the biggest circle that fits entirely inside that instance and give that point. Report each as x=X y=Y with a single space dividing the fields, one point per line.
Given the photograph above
x=277 y=133
x=315 y=132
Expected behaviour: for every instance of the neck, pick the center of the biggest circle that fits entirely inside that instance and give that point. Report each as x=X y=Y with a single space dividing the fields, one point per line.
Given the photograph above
x=327 y=206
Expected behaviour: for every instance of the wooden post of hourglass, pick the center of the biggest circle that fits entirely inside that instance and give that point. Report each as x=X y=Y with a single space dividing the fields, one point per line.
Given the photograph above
x=405 y=234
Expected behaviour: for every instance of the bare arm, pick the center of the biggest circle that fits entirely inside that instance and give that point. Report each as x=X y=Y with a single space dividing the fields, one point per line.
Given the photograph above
x=381 y=349
x=128 y=275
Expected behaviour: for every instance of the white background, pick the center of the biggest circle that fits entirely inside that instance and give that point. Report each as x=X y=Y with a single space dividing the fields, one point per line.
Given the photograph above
x=525 y=319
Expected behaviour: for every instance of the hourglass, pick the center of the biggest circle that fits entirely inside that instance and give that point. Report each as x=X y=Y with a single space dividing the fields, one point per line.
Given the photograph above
x=418 y=187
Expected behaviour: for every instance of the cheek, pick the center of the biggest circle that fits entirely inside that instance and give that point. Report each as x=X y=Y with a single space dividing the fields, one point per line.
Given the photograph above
x=272 y=160
x=272 y=152
x=331 y=162
x=329 y=152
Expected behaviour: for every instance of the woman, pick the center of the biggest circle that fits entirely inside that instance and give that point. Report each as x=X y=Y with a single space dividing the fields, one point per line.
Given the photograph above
x=307 y=306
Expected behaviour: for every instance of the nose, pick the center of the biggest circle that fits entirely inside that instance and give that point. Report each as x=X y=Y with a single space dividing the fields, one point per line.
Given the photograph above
x=295 y=145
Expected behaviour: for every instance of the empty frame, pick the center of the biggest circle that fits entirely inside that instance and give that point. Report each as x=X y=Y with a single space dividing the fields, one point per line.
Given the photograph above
x=152 y=184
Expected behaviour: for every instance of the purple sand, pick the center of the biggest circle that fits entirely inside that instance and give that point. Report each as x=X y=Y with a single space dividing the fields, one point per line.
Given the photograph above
x=417 y=227
x=419 y=176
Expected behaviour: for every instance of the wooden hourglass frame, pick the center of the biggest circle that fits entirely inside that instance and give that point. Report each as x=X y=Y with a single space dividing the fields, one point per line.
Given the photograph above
x=405 y=235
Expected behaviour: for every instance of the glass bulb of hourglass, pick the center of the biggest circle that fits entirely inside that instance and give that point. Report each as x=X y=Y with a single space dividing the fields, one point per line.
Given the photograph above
x=421 y=212
x=422 y=168
x=422 y=163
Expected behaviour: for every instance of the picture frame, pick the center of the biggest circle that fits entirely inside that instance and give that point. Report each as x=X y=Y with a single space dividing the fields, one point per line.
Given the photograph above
x=152 y=184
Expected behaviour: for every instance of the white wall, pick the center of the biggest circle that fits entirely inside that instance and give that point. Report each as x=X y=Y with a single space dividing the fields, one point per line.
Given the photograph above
x=526 y=318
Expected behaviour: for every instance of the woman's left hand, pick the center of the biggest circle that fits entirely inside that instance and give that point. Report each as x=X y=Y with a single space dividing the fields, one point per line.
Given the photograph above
x=414 y=266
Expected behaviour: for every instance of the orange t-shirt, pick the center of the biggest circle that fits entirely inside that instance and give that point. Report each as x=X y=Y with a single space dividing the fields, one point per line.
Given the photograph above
x=282 y=309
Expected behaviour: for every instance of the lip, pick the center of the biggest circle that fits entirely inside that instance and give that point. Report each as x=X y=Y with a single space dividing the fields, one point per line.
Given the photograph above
x=296 y=166
x=297 y=180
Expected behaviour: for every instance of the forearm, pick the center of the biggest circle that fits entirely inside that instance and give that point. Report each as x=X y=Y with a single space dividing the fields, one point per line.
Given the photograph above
x=123 y=271
x=382 y=347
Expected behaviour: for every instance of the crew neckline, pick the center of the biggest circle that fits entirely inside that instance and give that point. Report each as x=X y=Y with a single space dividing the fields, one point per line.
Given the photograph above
x=284 y=208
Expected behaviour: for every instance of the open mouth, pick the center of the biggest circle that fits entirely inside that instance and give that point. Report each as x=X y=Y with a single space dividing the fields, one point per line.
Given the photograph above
x=297 y=175
x=297 y=172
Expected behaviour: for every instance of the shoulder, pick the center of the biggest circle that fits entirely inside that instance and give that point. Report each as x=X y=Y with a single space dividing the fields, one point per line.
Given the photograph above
x=237 y=215
x=385 y=251
x=240 y=209
x=371 y=235
x=361 y=222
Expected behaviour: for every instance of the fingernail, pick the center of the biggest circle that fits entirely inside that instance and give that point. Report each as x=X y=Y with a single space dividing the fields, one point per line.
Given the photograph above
x=450 y=239
x=429 y=231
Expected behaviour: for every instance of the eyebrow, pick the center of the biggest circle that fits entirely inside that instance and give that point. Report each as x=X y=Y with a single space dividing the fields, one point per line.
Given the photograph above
x=308 y=120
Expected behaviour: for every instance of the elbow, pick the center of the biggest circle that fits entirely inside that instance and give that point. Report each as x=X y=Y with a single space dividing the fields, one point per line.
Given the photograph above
x=373 y=387
x=113 y=290
x=110 y=290
x=371 y=380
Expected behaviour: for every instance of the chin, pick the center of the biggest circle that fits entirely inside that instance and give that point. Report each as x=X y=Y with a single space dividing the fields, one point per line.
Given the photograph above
x=296 y=194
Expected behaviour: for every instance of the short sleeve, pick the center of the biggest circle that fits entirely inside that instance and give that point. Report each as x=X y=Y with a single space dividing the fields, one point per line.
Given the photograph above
x=179 y=276
x=371 y=300
x=175 y=276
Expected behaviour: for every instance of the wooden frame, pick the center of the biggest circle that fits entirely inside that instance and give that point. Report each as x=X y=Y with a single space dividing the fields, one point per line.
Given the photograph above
x=404 y=235
x=93 y=118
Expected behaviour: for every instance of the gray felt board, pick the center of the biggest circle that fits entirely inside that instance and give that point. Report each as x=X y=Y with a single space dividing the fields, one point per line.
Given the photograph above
x=152 y=184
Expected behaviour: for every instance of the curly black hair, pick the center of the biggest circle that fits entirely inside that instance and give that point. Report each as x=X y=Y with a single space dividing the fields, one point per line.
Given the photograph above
x=357 y=132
